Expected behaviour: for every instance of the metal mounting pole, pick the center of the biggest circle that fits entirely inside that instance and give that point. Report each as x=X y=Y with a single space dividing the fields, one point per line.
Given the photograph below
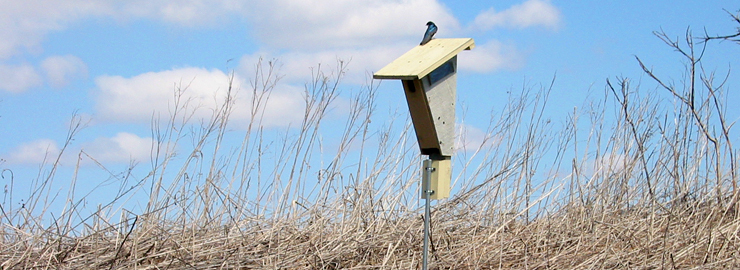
x=427 y=191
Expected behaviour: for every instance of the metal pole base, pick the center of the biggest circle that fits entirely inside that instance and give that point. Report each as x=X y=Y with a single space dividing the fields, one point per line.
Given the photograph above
x=427 y=190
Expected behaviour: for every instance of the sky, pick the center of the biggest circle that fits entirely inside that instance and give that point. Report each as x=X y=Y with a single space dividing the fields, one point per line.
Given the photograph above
x=115 y=63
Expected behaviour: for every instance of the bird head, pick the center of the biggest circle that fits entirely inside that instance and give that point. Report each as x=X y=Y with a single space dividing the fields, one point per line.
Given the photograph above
x=430 y=23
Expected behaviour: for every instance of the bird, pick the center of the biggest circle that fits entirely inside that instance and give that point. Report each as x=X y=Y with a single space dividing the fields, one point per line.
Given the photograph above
x=431 y=30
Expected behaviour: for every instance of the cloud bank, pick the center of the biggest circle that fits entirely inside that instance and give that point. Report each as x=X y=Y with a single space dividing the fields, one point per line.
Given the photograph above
x=369 y=33
x=201 y=92
x=123 y=147
x=531 y=13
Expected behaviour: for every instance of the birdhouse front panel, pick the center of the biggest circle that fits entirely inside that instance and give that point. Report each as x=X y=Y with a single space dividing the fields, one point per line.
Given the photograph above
x=440 y=87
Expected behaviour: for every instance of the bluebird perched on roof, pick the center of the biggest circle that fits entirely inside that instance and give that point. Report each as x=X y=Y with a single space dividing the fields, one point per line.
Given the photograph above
x=431 y=30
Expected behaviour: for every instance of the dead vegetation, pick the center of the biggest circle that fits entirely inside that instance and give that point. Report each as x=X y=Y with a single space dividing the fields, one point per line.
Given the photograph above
x=647 y=184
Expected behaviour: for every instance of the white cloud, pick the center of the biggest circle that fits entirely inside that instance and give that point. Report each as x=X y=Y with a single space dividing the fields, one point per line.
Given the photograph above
x=24 y=24
x=61 y=69
x=371 y=33
x=138 y=98
x=277 y=23
x=296 y=66
x=470 y=138
x=606 y=165
x=18 y=78
x=185 y=12
x=491 y=56
x=609 y=164
x=123 y=147
x=368 y=33
x=341 y=24
x=530 y=13
x=285 y=107
x=34 y=152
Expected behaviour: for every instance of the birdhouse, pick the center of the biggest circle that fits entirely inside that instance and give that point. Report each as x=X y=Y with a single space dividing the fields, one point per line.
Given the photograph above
x=428 y=75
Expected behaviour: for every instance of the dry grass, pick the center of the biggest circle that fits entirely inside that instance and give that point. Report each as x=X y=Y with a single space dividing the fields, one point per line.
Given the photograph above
x=571 y=240
x=640 y=187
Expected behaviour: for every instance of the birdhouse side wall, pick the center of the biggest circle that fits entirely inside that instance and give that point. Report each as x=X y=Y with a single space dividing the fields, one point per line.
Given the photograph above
x=421 y=116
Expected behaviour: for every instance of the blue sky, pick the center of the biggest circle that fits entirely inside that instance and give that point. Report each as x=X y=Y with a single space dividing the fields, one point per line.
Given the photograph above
x=115 y=62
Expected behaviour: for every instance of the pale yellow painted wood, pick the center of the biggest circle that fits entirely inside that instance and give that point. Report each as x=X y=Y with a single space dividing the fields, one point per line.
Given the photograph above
x=421 y=60
x=439 y=178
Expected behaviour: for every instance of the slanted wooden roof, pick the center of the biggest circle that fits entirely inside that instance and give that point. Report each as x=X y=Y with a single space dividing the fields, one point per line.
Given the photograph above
x=421 y=60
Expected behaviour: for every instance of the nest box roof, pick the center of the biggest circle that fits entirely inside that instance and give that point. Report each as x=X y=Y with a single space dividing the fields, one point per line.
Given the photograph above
x=421 y=60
